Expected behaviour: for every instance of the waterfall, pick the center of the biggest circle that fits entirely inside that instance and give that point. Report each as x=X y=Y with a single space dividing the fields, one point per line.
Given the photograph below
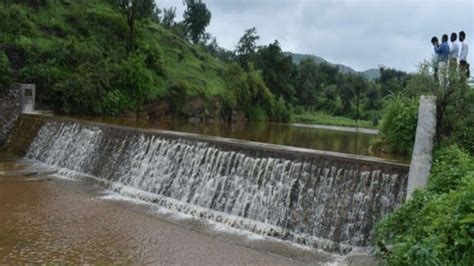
x=322 y=201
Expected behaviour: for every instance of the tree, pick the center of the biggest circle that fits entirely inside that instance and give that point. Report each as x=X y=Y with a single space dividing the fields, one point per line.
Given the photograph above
x=168 y=17
x=196 y=18
x=391 y=80
x=307 y=83
x=135 y=10
x=247 y=47
x=277 y=70
x=156 y=16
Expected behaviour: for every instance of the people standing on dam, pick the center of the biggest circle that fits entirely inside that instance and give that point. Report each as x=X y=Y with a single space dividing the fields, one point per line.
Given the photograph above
x=443 y=55
x=463 y=64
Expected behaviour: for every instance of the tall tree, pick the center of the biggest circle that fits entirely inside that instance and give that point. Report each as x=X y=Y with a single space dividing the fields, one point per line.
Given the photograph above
x=247 y=47
x=307 y=83
x=277 y=70
x=135 y=10
x=196 y=18
x=391 y=80
x=156 y=15
x=168 y=17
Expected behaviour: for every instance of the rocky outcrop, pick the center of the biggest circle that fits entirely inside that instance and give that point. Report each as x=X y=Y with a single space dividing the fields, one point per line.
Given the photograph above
x=10 y=109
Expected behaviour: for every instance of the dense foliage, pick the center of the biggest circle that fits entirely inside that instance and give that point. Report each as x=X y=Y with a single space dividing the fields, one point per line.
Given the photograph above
x=436 y=226
x=196 y=18
x=399 y=122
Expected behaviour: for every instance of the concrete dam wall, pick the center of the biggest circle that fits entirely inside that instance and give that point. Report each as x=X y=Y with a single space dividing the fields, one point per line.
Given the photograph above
x=321 y=199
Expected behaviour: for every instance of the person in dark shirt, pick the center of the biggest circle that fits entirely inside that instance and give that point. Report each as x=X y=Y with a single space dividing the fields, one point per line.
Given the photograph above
x=435 y=59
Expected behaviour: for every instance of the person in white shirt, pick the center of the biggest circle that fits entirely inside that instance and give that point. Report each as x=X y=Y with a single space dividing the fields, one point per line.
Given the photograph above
x=435 y=57
x=453 y=53
x=463 y=64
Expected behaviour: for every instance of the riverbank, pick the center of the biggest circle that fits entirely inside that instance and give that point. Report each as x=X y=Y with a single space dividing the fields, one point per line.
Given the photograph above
x=324 y=119
x=339 y=128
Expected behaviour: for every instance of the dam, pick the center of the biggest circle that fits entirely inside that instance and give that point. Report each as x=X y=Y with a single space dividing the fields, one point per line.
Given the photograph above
x=324 y=200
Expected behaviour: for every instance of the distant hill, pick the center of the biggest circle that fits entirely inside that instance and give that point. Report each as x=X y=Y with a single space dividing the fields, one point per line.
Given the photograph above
x=372 y=73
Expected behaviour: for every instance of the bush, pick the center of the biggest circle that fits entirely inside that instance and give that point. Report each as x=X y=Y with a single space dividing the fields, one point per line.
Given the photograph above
x=14 y=22
x=450 y=166
x=154 y=60
x=436 y=226
x=257 y=113
x=399 y=121
x=5 y=80
x=176 y=96
x=281 y=112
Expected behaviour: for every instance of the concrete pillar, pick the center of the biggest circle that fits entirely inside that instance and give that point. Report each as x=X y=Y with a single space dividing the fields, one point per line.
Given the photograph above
x=422 y=151
x=28 y=95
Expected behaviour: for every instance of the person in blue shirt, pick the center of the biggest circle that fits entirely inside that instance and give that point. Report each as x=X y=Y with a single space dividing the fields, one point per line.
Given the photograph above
x=443 y=49
x=443 y=55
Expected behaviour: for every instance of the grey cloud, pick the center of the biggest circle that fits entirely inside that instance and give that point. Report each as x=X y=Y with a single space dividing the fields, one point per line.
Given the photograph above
x=361 y=34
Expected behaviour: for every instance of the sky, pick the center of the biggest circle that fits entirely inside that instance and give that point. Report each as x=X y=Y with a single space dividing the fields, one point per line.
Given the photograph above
x=361 y=34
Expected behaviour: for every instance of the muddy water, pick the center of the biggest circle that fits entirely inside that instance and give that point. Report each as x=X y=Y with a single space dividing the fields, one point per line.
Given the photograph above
x=45 y=219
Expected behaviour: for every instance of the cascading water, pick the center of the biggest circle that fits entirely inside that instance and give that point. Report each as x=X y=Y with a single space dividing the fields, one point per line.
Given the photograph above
x=315 y=200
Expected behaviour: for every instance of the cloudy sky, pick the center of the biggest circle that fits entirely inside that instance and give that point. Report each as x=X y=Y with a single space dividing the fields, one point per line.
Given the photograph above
x=358 y=33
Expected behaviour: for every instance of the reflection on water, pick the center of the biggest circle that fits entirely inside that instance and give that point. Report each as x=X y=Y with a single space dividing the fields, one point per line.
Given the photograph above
x=276 y=133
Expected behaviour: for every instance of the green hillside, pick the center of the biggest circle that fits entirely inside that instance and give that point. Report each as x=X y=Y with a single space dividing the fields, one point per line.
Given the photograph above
x=76 y=53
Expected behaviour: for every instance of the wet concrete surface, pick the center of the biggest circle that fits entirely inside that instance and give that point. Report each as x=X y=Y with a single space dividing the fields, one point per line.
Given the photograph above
x=51 y=220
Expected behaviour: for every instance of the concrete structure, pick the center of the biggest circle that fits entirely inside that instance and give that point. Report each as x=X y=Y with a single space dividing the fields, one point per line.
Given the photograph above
x=28 y=95
x=326 y=200
x=422 y=151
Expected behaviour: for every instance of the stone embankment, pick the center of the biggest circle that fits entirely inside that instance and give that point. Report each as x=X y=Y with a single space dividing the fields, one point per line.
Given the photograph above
x=10 y=109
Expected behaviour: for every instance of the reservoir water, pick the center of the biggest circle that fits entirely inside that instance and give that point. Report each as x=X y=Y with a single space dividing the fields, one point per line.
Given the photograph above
x=266 y=132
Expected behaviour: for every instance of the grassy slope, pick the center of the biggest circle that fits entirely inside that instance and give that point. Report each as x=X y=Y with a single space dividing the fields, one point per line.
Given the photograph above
x=52 y=26
x=324 y=119
x=184 y=62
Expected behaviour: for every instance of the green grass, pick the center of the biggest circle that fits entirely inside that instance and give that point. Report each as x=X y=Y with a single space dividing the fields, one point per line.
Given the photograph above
x=324 y=119
x=45 y=37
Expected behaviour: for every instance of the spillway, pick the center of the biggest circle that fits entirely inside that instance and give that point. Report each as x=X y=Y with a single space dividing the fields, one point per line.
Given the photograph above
x=321 y=199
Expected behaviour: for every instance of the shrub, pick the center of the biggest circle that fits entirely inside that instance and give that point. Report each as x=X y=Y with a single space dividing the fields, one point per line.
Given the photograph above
x=257 y=113
x=176 y=96
x=14 y=22
x=399 y=122
x=154 y=60
x=281 y=113
x=450 y=166
x=436 y=226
